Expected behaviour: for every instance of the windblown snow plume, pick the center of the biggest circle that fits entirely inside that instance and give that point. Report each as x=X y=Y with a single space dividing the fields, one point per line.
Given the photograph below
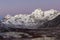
x=31 y=21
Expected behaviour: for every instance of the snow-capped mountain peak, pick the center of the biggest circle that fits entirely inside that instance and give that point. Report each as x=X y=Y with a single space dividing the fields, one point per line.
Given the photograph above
x=36 y=18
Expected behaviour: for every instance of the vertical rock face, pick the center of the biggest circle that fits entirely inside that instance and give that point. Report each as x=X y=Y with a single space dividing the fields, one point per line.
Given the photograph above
x=32 y=21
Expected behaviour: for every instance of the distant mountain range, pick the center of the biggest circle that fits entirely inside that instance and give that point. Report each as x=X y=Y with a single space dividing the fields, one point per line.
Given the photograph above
x=38 y=19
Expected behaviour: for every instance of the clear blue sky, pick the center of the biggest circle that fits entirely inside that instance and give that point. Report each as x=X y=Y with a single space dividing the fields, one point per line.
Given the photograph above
x=26 y=6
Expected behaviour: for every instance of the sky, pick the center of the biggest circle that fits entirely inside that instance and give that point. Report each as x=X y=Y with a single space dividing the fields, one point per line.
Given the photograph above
x=14 y=7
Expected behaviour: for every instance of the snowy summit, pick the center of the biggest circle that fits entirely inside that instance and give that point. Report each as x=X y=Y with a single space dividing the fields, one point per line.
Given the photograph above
x=36 y=18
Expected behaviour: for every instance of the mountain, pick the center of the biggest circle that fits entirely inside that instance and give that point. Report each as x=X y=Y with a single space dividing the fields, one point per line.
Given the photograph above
x=35 y=20
x=55 y=23
x=36 y=24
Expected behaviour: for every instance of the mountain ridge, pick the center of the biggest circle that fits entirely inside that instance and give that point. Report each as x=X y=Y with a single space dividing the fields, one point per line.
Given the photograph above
x=37 y=19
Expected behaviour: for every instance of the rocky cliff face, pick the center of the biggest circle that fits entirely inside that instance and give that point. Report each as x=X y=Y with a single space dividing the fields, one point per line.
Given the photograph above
x=52 y=23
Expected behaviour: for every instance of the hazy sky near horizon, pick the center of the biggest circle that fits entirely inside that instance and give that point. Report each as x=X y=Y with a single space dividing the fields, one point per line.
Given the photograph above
x=13 y=7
